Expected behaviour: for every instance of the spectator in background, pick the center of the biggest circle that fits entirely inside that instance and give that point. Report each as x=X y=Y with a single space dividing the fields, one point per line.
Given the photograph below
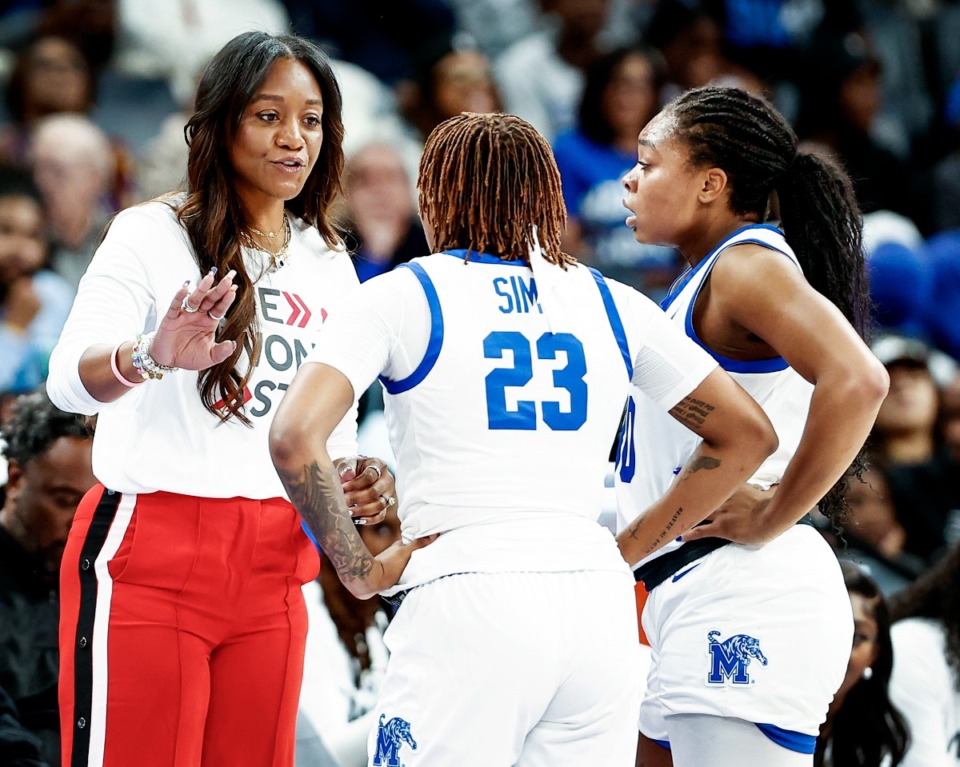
x=942 y=254
x=688 y=35
x=346 y=657
x=174 y=41
x=18 y=746
x=863 y=728
x=34 y=302
x=49 y=464
x=54 y=75
x=541 y=76
x=451 y=78
x=768 y=36
x=619 y=97
x=373 y=34
x=72 y=165
x=381 y=212
x=925 y=684
x=840 y=98
x=907 y=438
x=873 y=537
x=382 y=230
x=943 y=193
x=901 y=287
x=91 y=22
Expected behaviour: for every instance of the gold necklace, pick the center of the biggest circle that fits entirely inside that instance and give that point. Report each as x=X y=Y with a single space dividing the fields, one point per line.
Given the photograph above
x=271 y=235
x=277 y=257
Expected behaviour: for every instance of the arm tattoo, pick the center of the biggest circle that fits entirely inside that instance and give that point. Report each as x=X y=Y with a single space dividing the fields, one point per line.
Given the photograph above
x=318 y=497
x=690 y=411
x=634 y=530
x=666 y=530
x=704 y=462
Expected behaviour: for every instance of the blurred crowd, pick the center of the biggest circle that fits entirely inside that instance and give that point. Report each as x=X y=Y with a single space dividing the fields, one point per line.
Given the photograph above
x=97 y=93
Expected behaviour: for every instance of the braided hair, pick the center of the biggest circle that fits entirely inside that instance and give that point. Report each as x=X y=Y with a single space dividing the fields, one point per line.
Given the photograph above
x=754 y=145
x=485 y=181
x=745 y=136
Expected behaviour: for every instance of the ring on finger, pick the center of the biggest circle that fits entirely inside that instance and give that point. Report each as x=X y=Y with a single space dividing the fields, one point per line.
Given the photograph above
x=388 y=500
x=185 y=305
x=376 y=469
x=213 y=316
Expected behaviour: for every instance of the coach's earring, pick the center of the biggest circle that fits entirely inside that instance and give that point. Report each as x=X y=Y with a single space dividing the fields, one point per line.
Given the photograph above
x=868 y=673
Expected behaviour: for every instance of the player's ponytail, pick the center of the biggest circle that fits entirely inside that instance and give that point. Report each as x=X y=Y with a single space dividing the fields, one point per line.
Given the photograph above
x=821 y=221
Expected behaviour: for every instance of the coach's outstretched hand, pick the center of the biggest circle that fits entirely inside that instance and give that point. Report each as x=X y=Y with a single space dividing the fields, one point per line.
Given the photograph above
x=187 y=335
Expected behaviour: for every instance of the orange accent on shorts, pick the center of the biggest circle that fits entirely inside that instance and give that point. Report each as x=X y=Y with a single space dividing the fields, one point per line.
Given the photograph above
x=641 y=591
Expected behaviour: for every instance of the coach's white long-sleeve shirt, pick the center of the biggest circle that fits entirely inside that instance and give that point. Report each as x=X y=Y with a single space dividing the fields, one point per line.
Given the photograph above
x=158 y=436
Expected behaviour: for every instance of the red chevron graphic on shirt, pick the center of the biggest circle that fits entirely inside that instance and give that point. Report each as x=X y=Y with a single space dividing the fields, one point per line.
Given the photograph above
x=299 y=307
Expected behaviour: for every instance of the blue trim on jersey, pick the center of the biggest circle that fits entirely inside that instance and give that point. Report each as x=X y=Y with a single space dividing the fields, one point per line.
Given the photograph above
x=484 y=258
x=771 y=365
x=789 y=739
x=614 y=317
x=436 y=335
x=662 y=743
x=681 y=282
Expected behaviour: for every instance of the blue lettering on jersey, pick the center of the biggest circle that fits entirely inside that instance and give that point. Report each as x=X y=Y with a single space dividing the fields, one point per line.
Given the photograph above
x=518 y=294
x=730 y=658
x=390 y=737
x=626 y=462
x=569 y=378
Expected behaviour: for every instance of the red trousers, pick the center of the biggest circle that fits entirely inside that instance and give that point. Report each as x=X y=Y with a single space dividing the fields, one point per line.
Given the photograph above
x=182 y=631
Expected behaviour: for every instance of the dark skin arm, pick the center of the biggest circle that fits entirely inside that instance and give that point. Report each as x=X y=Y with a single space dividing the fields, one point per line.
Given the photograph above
x=184 y=339
x=312 y=407
x=788 y=317
x=736 y=435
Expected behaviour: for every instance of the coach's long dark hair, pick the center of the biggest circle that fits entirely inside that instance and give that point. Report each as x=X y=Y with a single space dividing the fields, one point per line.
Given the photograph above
x=212 y=213
x=485 y=180
x=868 y=729
x=936 y=595
x=745 y=136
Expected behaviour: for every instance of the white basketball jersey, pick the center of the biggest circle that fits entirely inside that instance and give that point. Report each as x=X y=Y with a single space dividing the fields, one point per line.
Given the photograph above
x=510 y=381
x=654 y=446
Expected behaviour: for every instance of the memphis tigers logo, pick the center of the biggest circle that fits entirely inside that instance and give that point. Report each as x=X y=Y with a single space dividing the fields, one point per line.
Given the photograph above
x=730 y=658
x=390 y=737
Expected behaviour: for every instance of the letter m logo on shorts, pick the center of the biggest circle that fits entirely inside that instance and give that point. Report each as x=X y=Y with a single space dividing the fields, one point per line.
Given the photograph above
x=730 y=658
x=390 y=737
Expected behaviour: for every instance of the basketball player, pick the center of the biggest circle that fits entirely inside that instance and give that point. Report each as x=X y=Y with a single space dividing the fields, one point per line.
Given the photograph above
x=750 y=640
x=505 y=366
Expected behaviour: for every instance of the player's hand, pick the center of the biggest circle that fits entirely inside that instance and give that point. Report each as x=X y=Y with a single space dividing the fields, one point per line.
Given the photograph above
x=187 y=335
x=742 y=519
x=388 y=567
x=369 y=487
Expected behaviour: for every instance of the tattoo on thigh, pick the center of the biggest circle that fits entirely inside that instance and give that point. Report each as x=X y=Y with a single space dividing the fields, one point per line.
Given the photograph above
x=692 y=411
x=317 y=494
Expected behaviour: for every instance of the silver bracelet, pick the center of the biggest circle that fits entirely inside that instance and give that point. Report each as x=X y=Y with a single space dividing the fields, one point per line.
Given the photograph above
x=146 y=365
